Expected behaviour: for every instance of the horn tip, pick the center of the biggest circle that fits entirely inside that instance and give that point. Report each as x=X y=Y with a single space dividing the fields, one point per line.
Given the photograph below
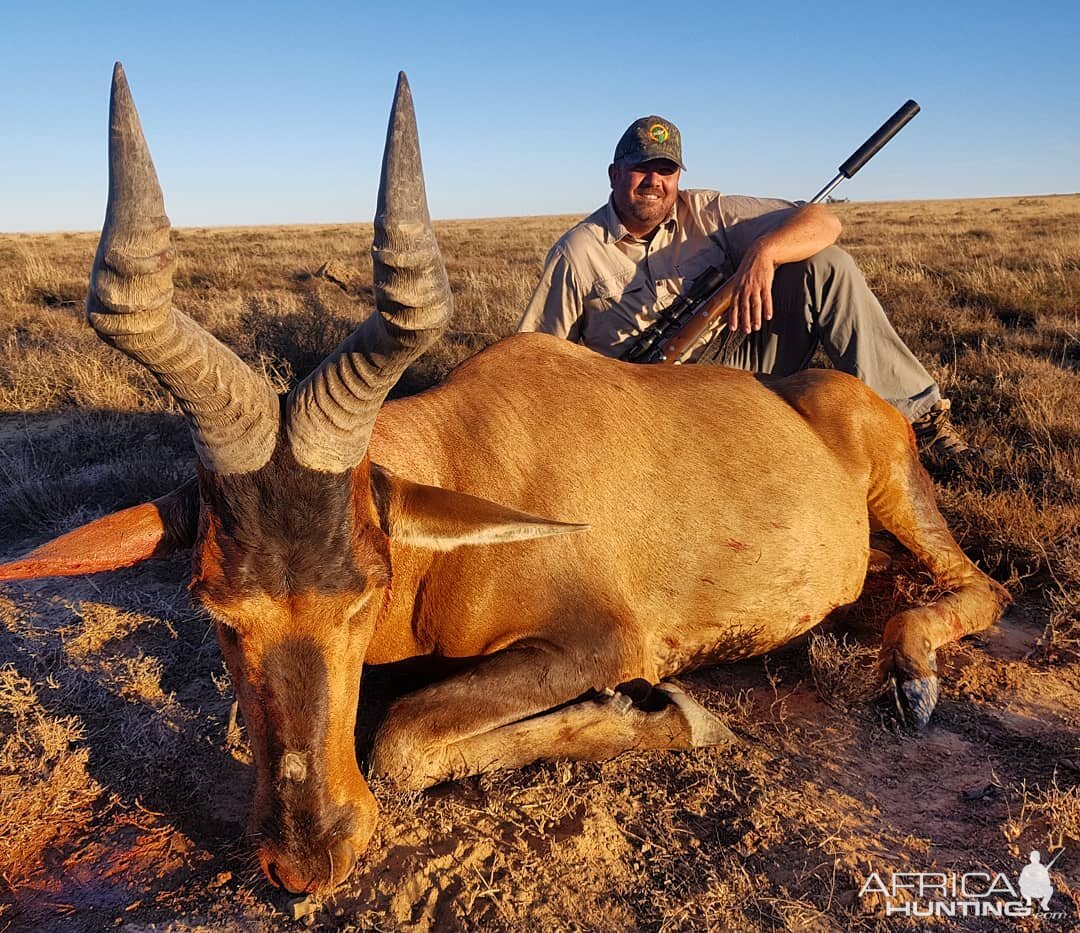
x=121 y=91
x=402 y=93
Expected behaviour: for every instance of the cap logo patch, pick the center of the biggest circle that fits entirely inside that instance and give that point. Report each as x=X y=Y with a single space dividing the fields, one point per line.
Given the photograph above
x=659 y=132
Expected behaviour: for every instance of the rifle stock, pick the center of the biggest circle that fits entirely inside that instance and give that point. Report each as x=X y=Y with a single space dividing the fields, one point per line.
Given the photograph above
x=705 y=318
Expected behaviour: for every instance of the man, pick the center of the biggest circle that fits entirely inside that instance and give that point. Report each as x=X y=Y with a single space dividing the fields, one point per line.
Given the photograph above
x=605 y=280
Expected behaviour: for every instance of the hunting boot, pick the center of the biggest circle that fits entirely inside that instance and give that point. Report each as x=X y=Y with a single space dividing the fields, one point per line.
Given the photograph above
x=938 y=439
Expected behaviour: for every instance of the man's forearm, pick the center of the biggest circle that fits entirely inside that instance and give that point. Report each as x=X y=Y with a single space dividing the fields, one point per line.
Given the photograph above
x=808 y=231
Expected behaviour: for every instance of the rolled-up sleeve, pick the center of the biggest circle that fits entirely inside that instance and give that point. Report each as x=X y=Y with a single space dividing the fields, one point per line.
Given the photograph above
x=744 y=219
x=556 y=305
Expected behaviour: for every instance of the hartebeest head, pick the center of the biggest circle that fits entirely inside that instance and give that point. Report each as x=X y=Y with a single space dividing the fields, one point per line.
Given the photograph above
x=289 y=521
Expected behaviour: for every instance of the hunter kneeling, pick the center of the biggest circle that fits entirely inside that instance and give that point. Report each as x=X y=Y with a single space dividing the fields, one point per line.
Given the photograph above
x=609 y=276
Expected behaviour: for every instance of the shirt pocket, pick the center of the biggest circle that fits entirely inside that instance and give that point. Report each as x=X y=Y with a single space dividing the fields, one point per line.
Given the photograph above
x=618 y=292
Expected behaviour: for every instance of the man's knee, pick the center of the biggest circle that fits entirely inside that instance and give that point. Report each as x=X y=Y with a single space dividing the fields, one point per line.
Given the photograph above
x=833 y=261
x=838 y=291
x=829 y=268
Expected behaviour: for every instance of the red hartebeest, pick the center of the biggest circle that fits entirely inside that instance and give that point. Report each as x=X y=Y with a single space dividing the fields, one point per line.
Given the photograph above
x=330 y=530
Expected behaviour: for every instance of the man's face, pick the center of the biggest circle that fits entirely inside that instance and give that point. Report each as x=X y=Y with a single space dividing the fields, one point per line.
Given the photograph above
x=644 y=194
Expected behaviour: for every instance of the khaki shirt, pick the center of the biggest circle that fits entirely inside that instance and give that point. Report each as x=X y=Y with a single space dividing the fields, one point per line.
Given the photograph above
x=601 y=285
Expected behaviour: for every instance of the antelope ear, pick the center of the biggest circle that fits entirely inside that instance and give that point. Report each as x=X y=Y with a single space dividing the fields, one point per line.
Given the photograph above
x=153 y=529
x=441 y=519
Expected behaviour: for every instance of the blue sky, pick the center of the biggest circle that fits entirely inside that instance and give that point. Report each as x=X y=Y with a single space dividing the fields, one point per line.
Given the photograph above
x=261 y=113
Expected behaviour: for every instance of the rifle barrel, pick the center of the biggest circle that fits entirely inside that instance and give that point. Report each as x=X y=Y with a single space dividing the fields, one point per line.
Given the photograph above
x=884 y=133
x=824 y=192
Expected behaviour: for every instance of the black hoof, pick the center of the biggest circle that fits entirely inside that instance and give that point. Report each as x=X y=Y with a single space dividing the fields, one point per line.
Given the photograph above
x=915 y=699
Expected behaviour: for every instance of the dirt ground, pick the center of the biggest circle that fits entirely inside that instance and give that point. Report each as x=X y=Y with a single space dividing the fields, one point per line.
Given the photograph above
x=124 y=796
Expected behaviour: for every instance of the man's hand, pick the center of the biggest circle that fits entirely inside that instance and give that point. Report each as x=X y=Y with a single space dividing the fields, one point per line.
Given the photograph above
x=808 y=231
x=751 y=302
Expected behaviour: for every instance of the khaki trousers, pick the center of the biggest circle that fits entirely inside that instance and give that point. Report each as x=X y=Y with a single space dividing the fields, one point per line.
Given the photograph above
x=825 y=301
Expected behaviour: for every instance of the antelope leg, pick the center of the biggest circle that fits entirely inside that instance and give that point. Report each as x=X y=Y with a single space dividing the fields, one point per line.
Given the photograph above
x=413 y=754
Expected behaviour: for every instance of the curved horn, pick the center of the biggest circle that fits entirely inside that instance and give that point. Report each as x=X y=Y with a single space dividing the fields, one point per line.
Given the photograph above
x=332 y=412
x=231 y=410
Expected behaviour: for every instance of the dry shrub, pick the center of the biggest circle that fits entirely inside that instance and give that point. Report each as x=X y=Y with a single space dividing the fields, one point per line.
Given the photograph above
x=35 y=277
x=295 y=329
x=1059 y=810
x=1048 y=817
x=844 y=673
x=93 y=626
x=57 y=472
x=46 y=794
x=1063 y=628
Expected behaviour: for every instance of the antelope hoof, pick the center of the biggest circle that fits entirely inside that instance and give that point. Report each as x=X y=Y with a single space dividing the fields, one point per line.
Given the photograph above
x=705 y=728
x=915 y=698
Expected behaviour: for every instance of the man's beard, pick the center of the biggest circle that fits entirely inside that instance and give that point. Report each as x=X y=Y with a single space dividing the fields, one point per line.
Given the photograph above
x=649 y=212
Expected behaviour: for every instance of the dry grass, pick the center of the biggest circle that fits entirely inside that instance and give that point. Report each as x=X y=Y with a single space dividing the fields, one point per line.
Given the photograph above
x=843 y=672
x=122 y=798
x=46 y=791
x=1053 y=813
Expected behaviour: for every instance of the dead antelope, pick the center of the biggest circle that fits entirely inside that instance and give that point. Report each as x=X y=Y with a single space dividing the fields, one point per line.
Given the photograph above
x=331 y=531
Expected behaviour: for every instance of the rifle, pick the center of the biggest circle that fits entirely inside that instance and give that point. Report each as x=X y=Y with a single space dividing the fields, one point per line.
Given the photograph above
x=680 y=327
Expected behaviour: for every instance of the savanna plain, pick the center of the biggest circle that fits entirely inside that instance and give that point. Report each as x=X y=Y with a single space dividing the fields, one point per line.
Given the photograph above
x=123 y=791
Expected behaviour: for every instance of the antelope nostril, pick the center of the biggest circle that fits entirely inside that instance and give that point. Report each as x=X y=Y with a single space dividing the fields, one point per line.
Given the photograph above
x=272 y=874
x=342 y=858
x=288 y=877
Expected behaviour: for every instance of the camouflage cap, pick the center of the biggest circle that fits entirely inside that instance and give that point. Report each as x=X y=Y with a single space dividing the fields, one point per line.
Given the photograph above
x=650 y=138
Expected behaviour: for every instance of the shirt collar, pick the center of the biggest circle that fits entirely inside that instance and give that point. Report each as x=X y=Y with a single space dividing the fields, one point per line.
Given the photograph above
x=615 y=231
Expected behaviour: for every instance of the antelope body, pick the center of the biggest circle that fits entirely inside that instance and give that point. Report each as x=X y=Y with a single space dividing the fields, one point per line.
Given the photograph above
x=552 y=523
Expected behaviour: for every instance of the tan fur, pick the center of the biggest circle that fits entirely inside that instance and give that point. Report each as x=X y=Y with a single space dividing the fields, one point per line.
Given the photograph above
x=704 y=492
x=728 y=514
x=716 y=515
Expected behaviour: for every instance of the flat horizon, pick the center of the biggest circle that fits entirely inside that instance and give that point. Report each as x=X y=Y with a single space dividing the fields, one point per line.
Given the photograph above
x=494 y=217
